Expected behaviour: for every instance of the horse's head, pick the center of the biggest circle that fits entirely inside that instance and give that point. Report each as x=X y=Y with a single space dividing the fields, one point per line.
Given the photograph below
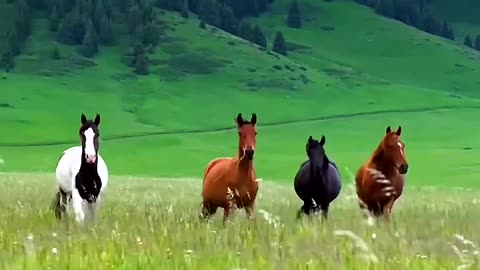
x=316 y=154
x=394 y=149
x=247 y=133
x=89 y=134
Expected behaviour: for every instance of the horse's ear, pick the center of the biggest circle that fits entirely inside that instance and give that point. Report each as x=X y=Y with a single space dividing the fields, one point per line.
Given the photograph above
x=239 y=120
x=253 y=120
x=310 y=139
x=97 y=120
x=389 y=129
x=399 y=131
x=322 y=141
x=83 y=119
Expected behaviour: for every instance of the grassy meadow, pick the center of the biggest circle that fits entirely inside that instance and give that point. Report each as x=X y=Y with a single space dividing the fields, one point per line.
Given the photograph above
x=154 y=224
x=348 y=75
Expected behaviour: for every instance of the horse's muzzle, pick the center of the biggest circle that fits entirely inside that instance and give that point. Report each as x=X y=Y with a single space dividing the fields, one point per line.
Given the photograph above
x=403 y=169
x=249 y=154
x=91 y=158
x=91 y=198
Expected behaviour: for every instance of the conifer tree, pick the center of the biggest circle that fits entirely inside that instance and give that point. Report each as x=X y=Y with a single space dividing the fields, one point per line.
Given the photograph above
x=258 y=37
x=279 y=44
x=476 y=44
x=106 y=34
x=54 y=20
x=294 y=19
x=142 y=64
x=468 y=41
x=89 y=46
x=7 y=60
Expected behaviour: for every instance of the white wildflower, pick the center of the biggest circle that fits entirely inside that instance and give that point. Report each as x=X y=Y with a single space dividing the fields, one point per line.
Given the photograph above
x=359 y=245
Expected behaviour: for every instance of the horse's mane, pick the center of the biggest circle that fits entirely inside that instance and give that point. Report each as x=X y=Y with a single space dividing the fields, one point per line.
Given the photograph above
x=378 y=153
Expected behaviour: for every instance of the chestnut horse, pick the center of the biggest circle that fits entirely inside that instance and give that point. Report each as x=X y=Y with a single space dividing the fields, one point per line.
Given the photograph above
x=379 y=182
x=231 y=182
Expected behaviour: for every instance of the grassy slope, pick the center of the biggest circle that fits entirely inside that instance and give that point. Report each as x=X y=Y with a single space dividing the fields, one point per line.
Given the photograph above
x=355 y=68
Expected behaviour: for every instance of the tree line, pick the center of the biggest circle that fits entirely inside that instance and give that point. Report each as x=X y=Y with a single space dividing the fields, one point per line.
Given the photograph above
x=416 y=13
x=18 y=31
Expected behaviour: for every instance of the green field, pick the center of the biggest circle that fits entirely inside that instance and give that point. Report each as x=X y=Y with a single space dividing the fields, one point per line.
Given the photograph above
x=348 y=75
x=205 y=77
x=153 y=224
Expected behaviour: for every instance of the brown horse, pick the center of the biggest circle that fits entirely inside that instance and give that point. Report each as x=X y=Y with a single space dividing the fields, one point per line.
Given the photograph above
x=231 y=182
x=380 y=180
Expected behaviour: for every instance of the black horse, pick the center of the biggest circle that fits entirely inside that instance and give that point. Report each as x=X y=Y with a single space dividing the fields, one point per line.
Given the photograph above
x=318 y=181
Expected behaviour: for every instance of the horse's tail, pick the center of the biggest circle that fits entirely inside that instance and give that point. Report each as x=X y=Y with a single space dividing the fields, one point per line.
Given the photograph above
x=57 y=206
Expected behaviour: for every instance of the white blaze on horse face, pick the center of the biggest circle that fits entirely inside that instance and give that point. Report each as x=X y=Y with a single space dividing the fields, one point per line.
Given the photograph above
x=401 y=150
x=90 y=153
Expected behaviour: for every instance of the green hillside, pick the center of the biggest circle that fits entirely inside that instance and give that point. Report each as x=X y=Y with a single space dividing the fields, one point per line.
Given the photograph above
x=344 y=61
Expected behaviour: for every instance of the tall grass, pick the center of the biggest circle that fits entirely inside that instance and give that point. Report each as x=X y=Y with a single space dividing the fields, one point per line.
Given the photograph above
x=145 y=224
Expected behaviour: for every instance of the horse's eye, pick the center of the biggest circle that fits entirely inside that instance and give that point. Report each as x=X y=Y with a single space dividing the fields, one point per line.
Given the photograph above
x=239 y=134
x=255 y=133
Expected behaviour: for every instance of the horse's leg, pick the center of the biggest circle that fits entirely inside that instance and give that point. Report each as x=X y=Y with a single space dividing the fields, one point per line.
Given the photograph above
x=77 y=206
x=226 y=213
x=63 y=203
x=208 y=210
x=324 y=209
x=249 y=211
x=92 y=209
x=387 y=208
x=58 y=204
x=306 y=208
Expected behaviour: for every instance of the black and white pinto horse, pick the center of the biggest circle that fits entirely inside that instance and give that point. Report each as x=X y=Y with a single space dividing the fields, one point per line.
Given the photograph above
x=82 y=174
x=317 y=182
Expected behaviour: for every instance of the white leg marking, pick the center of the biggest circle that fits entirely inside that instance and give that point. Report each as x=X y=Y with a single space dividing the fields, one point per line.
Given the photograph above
x=77 y=206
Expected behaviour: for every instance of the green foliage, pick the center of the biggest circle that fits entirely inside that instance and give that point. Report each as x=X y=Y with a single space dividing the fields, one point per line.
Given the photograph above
x=279 y=45
x=385 y=8
x=202 y=24
x=13 y=42
x=245 y=30
x=7 y=61
x=142 y=64
x=89 y=46
x=294 y=19
x=149 y=34
x=468 y=41
x=99 y=14
x=106 y=33
x=56 y=53
x=134 y=18
x=209 y=11
x=227 y=20
x=72 y=28
x=476 y=43
x=54 y=21
x=258 y=37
